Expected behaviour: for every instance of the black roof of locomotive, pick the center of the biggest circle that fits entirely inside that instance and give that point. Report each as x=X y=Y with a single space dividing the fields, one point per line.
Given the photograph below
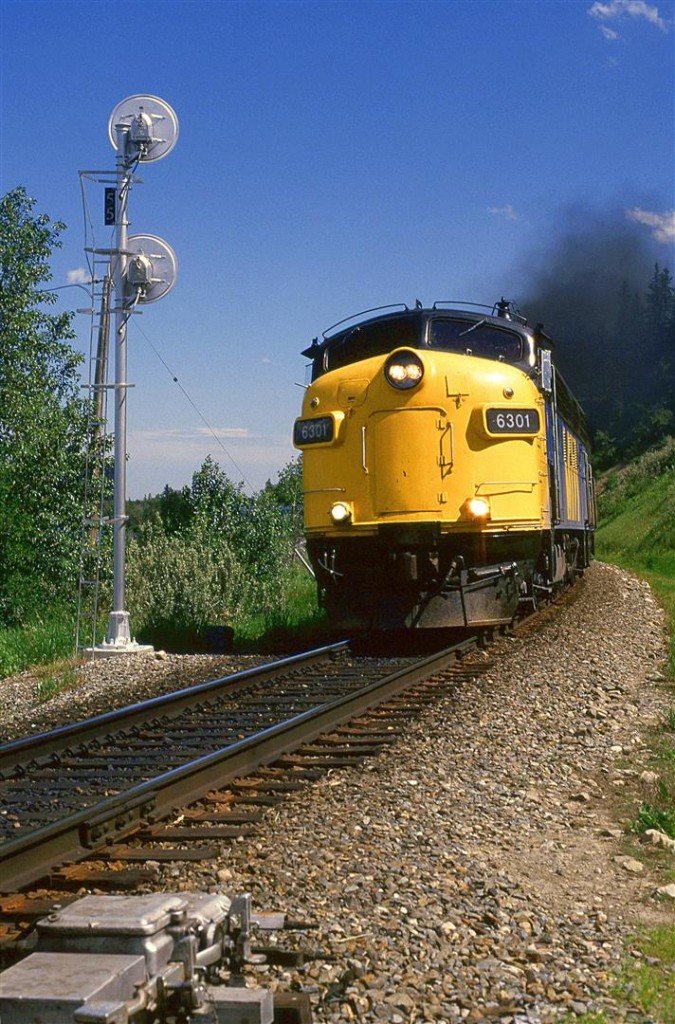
x=508 y=320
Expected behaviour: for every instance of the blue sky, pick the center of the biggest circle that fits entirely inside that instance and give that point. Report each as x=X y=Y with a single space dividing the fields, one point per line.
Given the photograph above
x=333 y=156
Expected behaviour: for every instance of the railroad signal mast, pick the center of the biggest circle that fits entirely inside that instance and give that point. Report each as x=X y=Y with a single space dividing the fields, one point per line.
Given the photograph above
x=143 y=129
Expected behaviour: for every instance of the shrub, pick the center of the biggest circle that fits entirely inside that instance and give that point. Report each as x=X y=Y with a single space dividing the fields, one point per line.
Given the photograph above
x=220 y=557
x=177 y=585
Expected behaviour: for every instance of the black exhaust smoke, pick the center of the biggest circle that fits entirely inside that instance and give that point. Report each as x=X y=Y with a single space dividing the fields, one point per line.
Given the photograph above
x=589 y=287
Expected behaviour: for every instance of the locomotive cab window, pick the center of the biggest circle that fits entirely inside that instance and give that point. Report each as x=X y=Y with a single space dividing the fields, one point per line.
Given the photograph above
x=476 y=338
x=370 y=339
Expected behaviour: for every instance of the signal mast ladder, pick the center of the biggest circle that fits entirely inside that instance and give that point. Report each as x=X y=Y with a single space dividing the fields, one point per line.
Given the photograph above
x=98 y=466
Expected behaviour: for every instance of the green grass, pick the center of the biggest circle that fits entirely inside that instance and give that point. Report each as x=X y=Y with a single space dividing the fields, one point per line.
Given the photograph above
x=51 y=639
x=637 y=532
x=659 y=818
x=637 y=524
x=48 y=639
x=297 y=618
x=645 y=984
x=293 y=618
x=649 y=983
x=56 y=682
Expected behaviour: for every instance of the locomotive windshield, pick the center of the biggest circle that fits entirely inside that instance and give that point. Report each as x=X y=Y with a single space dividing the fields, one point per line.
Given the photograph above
x=371 y=339
x=482 y=337
x=477 y=338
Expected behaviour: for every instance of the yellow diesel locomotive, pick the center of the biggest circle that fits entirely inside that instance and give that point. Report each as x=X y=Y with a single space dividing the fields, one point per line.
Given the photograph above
x=447 y=480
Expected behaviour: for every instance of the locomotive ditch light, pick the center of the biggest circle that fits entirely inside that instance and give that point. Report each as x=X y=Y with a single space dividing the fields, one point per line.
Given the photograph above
x=404 y=370
x=340 y=512
x=478 y=509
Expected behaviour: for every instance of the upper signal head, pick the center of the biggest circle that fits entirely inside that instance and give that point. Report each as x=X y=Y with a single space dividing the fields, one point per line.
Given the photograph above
x=153 y=127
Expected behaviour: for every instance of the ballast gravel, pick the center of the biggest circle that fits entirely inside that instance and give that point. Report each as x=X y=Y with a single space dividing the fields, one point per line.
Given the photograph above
x=476 y=870
x=102 y=685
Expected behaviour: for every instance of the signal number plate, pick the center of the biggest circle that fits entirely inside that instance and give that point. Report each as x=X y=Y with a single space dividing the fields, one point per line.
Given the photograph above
x=316 y=431
x=512 y=421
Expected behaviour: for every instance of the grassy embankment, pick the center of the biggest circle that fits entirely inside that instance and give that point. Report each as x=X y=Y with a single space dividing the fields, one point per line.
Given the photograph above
x=637 y=523
x=637 y=532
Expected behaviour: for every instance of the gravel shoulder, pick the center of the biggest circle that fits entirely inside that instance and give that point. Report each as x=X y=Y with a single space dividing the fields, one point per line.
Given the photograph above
x=478 y=870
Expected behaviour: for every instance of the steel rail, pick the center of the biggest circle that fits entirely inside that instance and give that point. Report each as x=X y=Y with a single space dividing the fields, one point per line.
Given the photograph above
x=42 y=745
x=80 y=835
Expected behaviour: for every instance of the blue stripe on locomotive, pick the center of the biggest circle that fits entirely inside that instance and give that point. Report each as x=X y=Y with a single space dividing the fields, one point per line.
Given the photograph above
x=560 y=517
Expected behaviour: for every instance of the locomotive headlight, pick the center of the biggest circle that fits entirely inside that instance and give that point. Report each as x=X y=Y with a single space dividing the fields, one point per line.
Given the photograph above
x=404 y=370
x=340 y=512
x=478 y=508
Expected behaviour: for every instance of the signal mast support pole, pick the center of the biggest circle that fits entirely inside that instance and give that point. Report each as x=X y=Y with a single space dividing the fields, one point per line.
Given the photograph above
x=143 y=268
x=118 y=628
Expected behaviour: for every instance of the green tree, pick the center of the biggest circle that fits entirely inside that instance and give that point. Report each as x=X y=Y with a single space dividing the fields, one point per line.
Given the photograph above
x=660 y=294
x=660 y=323
x=42 y=420
x=172 y=506
x=257 y=528
x=287 y=492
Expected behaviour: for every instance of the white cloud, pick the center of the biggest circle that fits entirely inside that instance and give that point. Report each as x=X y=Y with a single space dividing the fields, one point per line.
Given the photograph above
x=191 y=441
x=230 y=432
x=507 y=212
x=79 y=276
x=662 y=224
x=617 y=9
